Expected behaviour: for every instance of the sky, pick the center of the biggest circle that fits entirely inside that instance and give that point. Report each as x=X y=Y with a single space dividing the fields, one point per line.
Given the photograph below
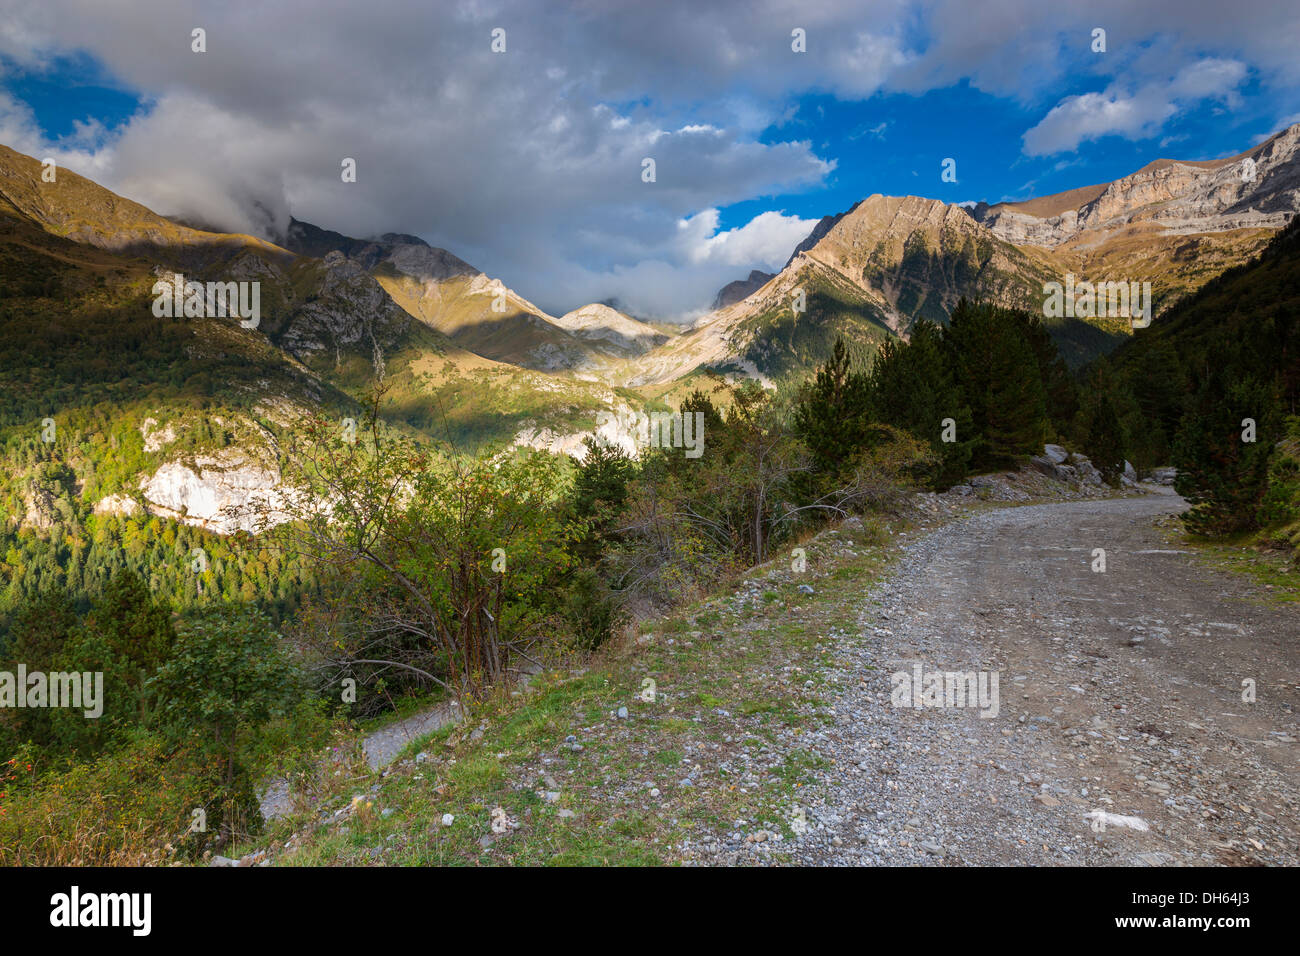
x=529 y=161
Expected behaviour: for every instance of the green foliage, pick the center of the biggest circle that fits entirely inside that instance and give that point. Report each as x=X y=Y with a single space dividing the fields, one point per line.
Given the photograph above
x=998 y=372
x=1104 y=439
x=433 y=562
x=40 y=630
x=227 y=678
x=690 y=519
x=1280 y=507
x=592 y=611
x=1228 y=353
x=37 y=640
x=126 y=636
x=1158 y=386
x=1221 y=473
x=834 y=413
x=1058 y=384
x=914 y=387
x=787 y=343
x=135 y=628
x=991 y=383
x=600 y=490
x=127 y=806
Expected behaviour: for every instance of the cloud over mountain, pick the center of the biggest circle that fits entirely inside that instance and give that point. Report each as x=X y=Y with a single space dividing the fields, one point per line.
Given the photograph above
x=529 y=162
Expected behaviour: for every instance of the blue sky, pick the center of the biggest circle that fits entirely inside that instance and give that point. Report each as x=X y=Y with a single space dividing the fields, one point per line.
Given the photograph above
x=896 y=144
x=527 y=164
x=72 y=89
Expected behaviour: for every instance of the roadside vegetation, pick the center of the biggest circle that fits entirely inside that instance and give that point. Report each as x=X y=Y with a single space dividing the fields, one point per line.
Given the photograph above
x=401 y=567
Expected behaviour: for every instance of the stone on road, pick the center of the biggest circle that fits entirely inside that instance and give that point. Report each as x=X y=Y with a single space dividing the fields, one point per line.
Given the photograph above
x=1120 y=703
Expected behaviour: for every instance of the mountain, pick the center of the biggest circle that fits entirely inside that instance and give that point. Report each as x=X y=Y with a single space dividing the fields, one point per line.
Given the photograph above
x=481 y=314
x=824 y=225
x=1257 y=189
x=186 y=418
x=869 y=275
x=1175 y=223
x=469 y=359
x=741 y=288
x=609 y=329
x=78 y=209
x=1235 y=306
x=879 y=266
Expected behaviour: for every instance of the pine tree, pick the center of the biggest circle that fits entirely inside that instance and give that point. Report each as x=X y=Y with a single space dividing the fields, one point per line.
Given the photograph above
x=832 y=414
x=1105 y=440
x=1058 y=385
x=1223 y=475
x=912 y=387
x=999 y=377
x=600 y=490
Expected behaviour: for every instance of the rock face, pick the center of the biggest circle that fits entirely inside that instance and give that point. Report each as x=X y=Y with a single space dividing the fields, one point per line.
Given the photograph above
x=118 y=504
x=616 y=426
x=349 y=311
x=39 y=510
x=1087 y=472
x=155 y=438
x=611 y=330
x=1259 y=188
x=224 y=492
x=922 y=255
x=741 y=288
x=824 y=225
x=1052 y=469
x=1056 y=462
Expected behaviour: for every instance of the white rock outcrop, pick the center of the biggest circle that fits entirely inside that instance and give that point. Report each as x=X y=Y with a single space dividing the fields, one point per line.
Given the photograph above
x=226 y=492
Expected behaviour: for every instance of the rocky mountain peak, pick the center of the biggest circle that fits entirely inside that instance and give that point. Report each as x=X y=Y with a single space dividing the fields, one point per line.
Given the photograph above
x=1259 y=188
x=741 y=288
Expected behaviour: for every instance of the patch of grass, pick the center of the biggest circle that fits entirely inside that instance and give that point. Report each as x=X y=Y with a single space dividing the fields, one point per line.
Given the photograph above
x=708 y=751
x=1272 y=569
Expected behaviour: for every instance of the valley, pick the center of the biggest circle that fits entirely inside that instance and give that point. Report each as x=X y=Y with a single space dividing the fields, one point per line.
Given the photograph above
x=338 y=490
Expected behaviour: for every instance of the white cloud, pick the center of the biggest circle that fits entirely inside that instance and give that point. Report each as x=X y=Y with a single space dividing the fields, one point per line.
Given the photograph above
x=765 y=241
x=1137 y=115
x=527 y=164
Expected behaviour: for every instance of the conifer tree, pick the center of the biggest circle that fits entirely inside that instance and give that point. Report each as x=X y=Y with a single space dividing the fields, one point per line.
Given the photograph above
x=832 y=415
x=912 y=387
x=1105 y=440
x=999 y=377
x=1221 y=472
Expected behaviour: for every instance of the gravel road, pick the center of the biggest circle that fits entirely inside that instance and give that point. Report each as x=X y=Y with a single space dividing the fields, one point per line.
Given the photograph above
x=1118 y=692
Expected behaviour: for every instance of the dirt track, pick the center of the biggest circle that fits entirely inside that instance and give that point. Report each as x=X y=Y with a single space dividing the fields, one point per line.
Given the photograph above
x=1118 y=691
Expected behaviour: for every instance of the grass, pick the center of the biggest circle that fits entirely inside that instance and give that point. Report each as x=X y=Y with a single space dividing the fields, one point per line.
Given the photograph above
x=579 y=785
x=1275 y=570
